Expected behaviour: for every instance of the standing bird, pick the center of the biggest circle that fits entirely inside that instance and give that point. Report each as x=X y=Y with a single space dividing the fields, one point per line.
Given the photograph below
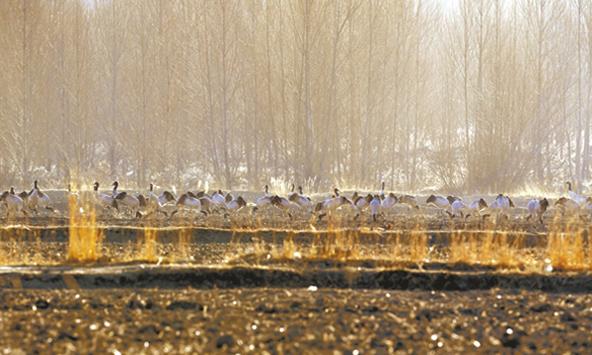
x=375 y=204
x=284 y=204
x=103 y=199
x=126 y=199
x=567 y=205
x=300 y=199
x=476 y=207
x=361 y=202
x=458 y=207
x=579 y=199
x=38 y=199
x=502 y=202
x=390 y=200
x=502 y=205
x=236 y=204
x=14 y=204
x=188 y=202
x=264 y=200
x=158 y=203
x=218 y=198
x=537 y=208
x=331 y=204
x=438 y=201
x=409 y=200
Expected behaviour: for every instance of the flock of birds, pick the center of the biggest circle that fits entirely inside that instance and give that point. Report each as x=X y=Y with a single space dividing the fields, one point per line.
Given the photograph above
x=376 y=204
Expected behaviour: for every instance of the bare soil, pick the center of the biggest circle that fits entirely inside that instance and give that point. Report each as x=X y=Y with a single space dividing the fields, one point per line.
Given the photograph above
x=270 y=320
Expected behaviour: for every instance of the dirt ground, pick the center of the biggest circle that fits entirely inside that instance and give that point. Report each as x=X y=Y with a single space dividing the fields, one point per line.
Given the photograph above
x=293 y=321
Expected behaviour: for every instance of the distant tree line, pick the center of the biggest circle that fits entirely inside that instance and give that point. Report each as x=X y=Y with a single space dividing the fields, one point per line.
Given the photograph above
x=479 y=95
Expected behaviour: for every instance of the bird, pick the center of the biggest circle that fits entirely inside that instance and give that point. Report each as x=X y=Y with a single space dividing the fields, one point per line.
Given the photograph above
x=501 y=205
x=126 y=199
x=284 y=204
x=457 y=208
x=375 y=204
x=264 y=200
x=331 y=204
x=236 y=204
x=476 y=207
x=409 y=200
x=103 y=199
x=567 y=205
x=536 y=208
x=157 y=203
x=300 y=199
x=218 y=198
x=14 y=204
x=502 y=202
x=438 y=201
x=37 y=199
x=579 y=199
x=188 y=202
x=390 y=200
x=361 y=202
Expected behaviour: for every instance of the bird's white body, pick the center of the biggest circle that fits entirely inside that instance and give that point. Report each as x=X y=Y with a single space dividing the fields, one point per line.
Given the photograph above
x=163 y=203
x=533 y=206
x=475 y=206
x=218 y=198
x=284 y=204
x=37 y=200
x=501 y=202
x=362 y=202
x=13 y=203
x=375 y=205
x=568 y=205
x=264 y=200
x=189 y=202
x=458 y=207
x=235 y=205
x=125 y=199
x=440 y=202
x=389 y=201
x=333 y=203
x=302 y=201
x=104 y=200
x=574 y=196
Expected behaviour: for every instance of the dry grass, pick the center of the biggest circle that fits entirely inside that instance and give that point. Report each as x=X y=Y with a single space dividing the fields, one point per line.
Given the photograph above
x=85 y=238
x=149 y=245
x=565 y=247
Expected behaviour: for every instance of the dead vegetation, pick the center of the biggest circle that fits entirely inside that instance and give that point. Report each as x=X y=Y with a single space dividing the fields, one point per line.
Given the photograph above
x=565 y=247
